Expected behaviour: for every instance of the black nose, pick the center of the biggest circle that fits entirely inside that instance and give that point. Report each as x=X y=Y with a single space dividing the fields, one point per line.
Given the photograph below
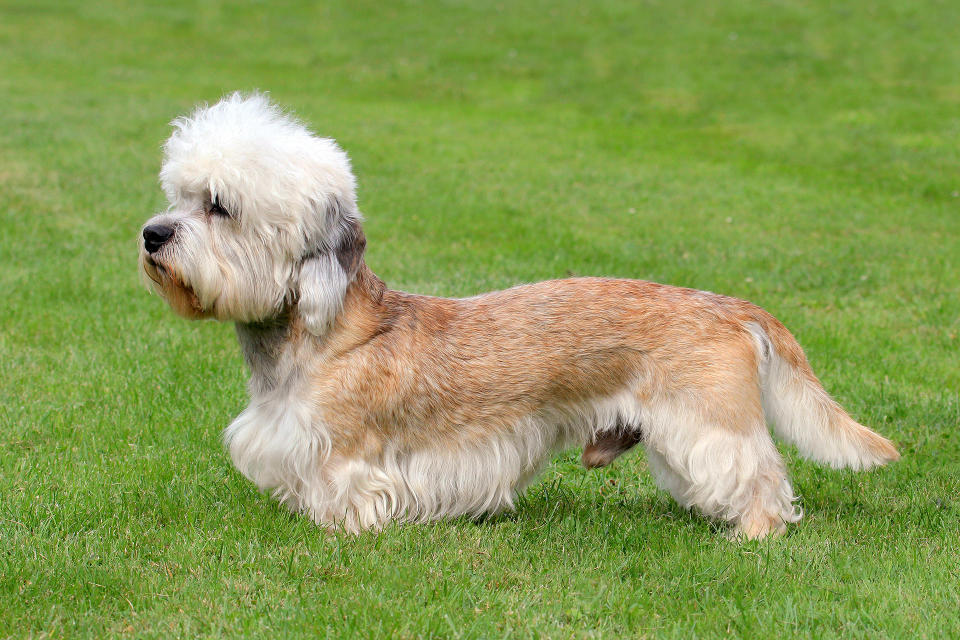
x=155 y=236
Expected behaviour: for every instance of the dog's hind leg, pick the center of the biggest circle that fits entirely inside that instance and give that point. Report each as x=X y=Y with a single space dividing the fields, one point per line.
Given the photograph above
x=728 y=471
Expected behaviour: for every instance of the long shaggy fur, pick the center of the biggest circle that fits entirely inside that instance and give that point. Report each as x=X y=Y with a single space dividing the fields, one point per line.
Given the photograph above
x=369 y=405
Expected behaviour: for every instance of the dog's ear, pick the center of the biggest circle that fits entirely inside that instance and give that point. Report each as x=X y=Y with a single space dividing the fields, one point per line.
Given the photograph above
x=325 y=276
x=350 y=248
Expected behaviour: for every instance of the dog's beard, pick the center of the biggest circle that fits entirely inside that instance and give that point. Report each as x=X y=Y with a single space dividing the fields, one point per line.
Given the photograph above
x=171 y=287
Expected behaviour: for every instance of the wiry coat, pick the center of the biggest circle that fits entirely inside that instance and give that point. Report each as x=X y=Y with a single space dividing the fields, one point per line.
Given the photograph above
x=370 y=405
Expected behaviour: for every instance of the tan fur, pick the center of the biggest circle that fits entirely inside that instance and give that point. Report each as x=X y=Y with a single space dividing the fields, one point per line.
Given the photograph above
x=181 y=298
x=410 y=372
x=790 y=350
x=434 y=367
x=370 y=406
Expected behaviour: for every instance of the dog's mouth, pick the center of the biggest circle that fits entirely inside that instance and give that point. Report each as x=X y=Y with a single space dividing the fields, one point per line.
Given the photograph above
x=154 y=270
x=171 y=286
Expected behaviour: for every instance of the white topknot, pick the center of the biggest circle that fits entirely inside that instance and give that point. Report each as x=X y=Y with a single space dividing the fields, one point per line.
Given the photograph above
x=262 y=163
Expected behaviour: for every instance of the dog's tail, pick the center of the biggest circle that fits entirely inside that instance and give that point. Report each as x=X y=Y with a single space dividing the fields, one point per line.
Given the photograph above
x=802 y=412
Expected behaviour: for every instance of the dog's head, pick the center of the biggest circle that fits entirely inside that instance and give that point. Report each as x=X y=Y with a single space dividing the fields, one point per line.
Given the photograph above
x=262 y=216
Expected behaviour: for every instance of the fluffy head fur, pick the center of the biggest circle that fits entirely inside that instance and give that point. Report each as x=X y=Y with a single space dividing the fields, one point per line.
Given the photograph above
x=286 y=211
x=370 y=405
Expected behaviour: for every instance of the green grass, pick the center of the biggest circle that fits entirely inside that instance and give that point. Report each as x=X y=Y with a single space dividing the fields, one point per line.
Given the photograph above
x=802 y=155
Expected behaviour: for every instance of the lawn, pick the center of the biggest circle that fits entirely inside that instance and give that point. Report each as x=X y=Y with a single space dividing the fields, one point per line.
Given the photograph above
x=802 y=155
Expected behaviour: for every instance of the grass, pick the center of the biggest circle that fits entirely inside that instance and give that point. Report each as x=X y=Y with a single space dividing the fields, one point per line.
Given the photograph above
x=802 y=155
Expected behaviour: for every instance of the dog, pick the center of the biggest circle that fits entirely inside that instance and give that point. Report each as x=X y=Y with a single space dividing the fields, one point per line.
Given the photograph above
x=369 y=405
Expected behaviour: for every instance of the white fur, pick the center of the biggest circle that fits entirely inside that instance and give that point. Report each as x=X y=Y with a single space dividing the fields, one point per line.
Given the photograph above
x=323 y=285
x=291 y=198
x=277 y=446
x=803 y=413
x=289 y=192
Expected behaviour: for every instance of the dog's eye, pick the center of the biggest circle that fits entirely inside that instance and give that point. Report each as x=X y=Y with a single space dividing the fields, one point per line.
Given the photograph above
x=217 y=210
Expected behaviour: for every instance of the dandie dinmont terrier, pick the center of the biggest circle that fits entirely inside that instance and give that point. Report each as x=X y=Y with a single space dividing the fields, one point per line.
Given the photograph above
x=369 y=405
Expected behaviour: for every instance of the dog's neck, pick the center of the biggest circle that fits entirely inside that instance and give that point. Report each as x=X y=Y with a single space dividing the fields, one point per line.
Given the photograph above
x=267 y=350
x=277 y=350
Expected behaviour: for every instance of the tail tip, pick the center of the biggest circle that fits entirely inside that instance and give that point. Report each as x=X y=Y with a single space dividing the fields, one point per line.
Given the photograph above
x=880 y=452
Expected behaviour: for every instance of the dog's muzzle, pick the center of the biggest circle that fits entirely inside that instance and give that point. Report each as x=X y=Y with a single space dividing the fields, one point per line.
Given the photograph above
x=155 y=236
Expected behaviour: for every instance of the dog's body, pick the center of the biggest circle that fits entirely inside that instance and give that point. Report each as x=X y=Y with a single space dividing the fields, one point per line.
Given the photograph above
x=370 y=405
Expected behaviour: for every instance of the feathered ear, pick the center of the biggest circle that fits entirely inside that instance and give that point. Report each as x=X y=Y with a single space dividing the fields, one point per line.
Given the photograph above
x=325 y=276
